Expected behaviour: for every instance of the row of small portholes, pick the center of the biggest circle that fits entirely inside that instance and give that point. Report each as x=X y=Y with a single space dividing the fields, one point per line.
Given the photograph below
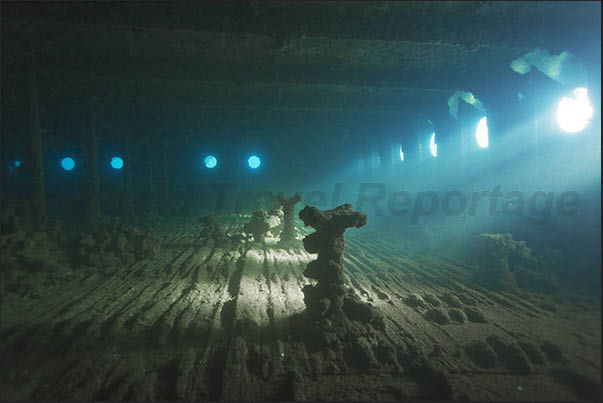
x=68 y=163
x=209 y=161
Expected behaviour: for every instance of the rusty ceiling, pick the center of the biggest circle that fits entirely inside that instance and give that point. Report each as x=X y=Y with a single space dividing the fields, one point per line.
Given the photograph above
x=322 y=64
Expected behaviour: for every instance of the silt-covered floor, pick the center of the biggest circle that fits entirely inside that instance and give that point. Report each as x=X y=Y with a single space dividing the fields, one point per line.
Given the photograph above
x=195 y=322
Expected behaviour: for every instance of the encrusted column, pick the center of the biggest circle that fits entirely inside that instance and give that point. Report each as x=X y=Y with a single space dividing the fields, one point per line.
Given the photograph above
x=287 y=236
x=258 y=226
x=38 y=199
x=128 y=201
x=150 y=179
x=325 y=299
x=92 y=177
x=212 y=234
x=385 y=158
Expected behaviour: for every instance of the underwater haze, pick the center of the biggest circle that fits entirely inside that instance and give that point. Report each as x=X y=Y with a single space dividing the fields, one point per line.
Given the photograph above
x=267 y=200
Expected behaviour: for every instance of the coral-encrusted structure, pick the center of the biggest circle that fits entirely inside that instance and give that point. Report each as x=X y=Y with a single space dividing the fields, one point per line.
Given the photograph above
x=275 y=216
x=258 y=226
x=212 y=234
x=497 y=253
x=287 y=237
x=325 y=299
x=336 y=318
x=114 y=245
x=506 y=264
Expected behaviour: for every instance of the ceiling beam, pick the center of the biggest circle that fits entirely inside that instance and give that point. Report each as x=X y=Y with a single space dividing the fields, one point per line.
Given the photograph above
x=555 y=25
x=214 y=56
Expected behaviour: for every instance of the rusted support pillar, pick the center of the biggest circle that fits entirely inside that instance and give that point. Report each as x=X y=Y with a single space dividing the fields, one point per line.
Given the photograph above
x=287 y=237
x=128 y=165
x=385 y=158
x=161 y=177
x=38 y=195
x=128 y=199
x=92 y=177
x=464 y=135
x=151 y=179
x=368 y=161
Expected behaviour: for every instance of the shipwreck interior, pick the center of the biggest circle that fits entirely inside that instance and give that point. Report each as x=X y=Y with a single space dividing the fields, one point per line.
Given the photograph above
x=300 y=200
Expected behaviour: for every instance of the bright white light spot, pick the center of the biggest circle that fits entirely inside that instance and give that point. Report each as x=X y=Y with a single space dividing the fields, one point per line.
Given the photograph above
x=210 y=161
x=574 y=111
x=254 y=161
x=67 y=163
x=401 y=154
x=481 y=134
x=117 y=163
x=433 y=147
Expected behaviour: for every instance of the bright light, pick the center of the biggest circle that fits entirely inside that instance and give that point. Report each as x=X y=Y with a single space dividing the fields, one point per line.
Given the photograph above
x=433 y=147
x=117 y=163
x=254 y=162
x=210 y=161
x=67 y=163
x=401 y=154
x=574 y=111
x=17 y=163
x=481 y=133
